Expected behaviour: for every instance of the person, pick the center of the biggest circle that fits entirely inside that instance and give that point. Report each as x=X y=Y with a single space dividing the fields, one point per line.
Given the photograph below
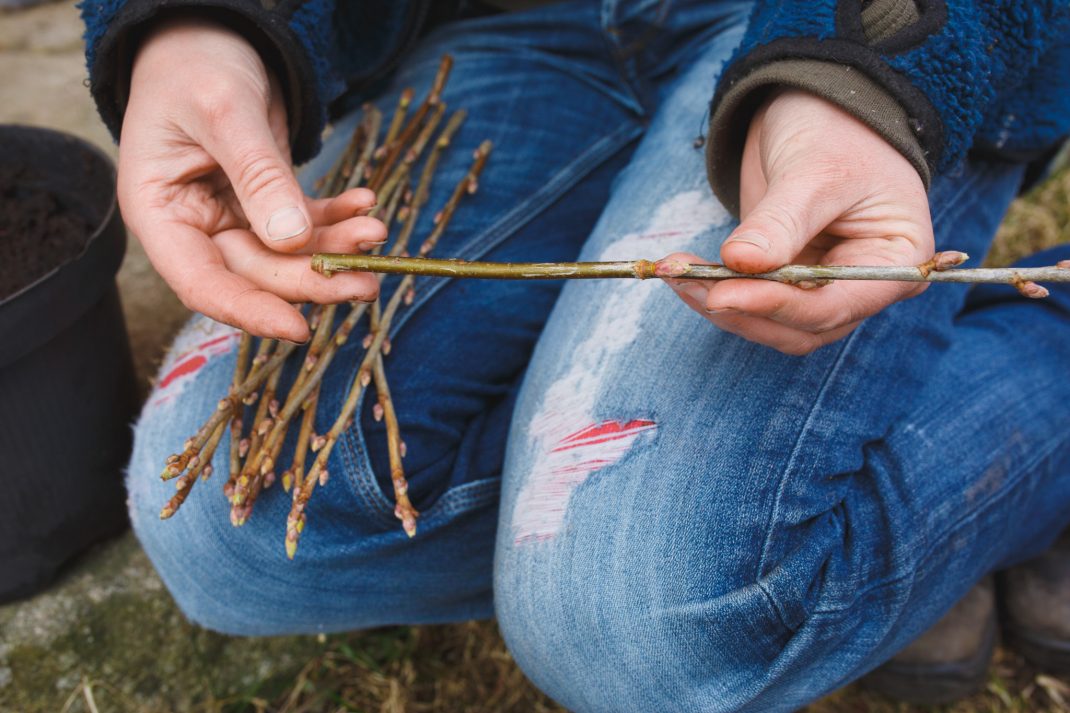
x=663 y=513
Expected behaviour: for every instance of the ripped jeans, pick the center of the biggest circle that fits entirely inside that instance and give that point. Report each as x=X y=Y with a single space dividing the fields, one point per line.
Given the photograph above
x=663 y=516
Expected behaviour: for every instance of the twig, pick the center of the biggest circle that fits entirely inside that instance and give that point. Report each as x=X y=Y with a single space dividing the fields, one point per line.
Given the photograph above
x=294 y=476
x=295 y=521
x=373 y=119
x=1024 y=278
x=423 y=186
x=244 y=346
x=392 y=152
x=178 y=462
x=403 y=508
x=203 y=466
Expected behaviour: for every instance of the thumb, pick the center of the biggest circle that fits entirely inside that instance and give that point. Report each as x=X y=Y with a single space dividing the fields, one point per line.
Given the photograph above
x=776 y=230
x=262 y=178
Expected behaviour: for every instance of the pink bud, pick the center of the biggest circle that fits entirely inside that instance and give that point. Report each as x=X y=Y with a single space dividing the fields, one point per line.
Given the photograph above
x=670 y=268
x=948 y=259
x=1032 y=290
x=377 y=412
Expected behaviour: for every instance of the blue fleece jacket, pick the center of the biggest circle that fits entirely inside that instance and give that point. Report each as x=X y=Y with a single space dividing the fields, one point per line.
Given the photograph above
x=992 y=75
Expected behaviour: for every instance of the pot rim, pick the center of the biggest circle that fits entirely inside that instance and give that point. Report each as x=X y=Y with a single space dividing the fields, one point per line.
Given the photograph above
x=50 y=304
x=102 y=226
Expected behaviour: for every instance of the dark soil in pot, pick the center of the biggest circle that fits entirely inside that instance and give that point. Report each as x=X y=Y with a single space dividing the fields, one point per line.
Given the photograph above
x=67 y=388
x=37 y=232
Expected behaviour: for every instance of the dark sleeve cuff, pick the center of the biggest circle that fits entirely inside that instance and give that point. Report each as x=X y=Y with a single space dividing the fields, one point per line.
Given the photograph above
x=840 y=84
x=111 y=60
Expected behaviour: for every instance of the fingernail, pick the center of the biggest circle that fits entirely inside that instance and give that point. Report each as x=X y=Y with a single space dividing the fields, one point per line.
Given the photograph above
x=750 y=239
x=695 y=292
x=721 y=310
x=286 y=223
x=370 y=244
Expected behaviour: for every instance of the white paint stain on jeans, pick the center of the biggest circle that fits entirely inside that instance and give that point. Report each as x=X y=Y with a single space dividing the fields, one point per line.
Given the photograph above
x=570 y=438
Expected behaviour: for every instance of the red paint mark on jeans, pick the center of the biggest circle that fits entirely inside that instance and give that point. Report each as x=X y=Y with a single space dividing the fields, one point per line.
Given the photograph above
x=203 y=346
x=559 y=470
x=603 y=432
x=183 y=368
x=189 y=361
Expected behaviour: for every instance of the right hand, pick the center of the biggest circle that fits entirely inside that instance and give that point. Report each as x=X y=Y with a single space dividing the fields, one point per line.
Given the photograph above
x=206 y=184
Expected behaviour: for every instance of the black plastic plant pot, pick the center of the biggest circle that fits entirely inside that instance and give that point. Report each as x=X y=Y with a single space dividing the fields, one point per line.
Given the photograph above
x=68 y=392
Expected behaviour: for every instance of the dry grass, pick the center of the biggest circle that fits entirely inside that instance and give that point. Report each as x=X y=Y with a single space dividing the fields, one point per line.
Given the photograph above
x=466 y=668
x=1039 y=220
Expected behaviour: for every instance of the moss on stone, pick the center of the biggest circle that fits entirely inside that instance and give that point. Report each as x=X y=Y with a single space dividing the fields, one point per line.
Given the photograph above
x=112 y=623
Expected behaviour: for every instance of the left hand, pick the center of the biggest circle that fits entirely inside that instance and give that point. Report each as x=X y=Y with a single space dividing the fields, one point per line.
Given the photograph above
x=817 y=186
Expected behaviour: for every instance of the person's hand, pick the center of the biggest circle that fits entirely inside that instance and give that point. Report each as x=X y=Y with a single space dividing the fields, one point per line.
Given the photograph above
x=206 y=184
x=817 y=187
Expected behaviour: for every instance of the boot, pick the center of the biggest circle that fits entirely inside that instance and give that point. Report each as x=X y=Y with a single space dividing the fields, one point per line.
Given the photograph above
x=950 y=660
x=1036 y=607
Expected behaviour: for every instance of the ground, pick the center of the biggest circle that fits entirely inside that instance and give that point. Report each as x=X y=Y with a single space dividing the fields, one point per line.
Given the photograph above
x=447 y=668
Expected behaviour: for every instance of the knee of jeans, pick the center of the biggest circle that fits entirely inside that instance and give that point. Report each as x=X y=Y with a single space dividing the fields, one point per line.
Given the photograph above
x=630 y=606
x=604 y=624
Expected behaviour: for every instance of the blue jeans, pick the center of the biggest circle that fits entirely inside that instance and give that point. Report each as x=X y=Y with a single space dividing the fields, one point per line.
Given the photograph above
x=662 y=516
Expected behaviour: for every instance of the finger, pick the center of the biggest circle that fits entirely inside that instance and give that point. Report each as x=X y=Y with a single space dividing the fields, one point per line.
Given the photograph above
x=240 y=138
x=290 y=276
x=194 y=268
x=788 y=216
x=817 y=310
x=786 y=340
x=353 y=235
x=325 y=211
